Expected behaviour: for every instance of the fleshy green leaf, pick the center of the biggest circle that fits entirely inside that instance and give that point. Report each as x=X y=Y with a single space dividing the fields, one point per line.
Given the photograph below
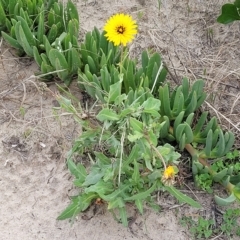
x=225 y=201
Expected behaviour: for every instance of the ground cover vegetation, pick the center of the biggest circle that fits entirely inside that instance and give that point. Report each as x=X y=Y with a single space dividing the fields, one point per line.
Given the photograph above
x=138 y=126
x=203 y=228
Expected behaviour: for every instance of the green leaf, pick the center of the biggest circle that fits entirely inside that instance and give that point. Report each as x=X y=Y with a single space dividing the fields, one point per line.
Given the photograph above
x=118 y=192
x=13 y=42
x=37 y=56
x=75 y=59
x=168 y=153
x=12 y=4
x=123 y=215
x=21 y=37
x=71 y=210
x=135 y=136
x=145 y=60
x=136 y=125
x=136 y=174
x=45 y=68
x=101 y=188
x=92 y=65
x=142 y=195
x=93 y=177
x=79 y=204
x=126 y=111
x=155 y=175
x=225 y=201
x=218 y=177
x=164 y=96
x=139 y=205
x=73 y=28
x=41 y=28
x=78 y=171
x=128 y=69
x=152 y=104
x=52 y=33
x=135 y=153
x=236 y=191
x=237 y=3
x=182 y=197
x=72 y=11
x=115 y=91
x=235 y=179
x=155 y=58
x=109 y=174
x=153 y=138
x=62 y=73
x=148 y=162
x=116 y=203
x=2 y=16
x=55 y=55
x=229 y=14
x=107 y=115
x=154 y=113
x=26 y=31
x=104 y=160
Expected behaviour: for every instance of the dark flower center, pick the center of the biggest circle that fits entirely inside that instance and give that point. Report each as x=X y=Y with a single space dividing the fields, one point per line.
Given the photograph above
x=120 y=29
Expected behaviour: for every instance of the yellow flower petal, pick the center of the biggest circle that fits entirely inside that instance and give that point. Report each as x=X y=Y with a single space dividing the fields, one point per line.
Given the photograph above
x=120 y=29
x=169 y=172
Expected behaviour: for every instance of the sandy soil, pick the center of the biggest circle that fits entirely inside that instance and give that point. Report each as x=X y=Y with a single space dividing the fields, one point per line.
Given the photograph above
x=35 y=184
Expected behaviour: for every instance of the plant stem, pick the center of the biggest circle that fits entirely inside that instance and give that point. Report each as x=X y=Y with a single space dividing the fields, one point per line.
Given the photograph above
x=194 y=152
x=156 y=150
x=159 y=155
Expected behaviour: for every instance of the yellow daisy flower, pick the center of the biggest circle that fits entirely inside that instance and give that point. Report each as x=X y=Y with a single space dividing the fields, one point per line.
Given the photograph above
x=169 y=172
x=168 y=177
x=120 y=29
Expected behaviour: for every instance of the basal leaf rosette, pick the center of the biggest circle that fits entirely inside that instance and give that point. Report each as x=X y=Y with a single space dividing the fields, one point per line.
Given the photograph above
x=120 y=29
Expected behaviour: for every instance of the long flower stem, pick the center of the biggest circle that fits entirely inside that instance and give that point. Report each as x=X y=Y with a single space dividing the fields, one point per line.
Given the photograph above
x=157 y=152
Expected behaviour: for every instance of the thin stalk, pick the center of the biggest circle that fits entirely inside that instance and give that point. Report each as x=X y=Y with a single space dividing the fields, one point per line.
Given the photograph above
x=156 y=78
x=156 y=150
